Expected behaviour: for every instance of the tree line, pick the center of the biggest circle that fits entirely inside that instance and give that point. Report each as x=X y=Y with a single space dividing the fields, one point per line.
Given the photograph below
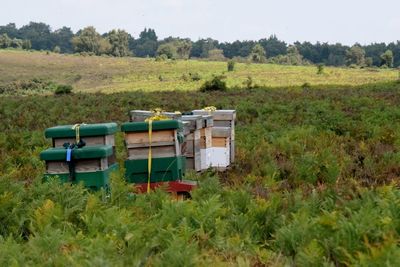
x=119 y=43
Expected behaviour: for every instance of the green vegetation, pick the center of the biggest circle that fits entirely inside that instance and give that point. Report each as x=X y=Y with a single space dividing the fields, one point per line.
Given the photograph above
x=315 y=181
x=108 y=75
x=119 y=43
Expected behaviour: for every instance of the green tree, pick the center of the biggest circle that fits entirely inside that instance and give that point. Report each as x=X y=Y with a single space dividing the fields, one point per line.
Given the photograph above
x=258 y=54
x=355 y=55
x=89 y=40
x=119 y=41
x=5 y=41
x=62 y=38
x=167 y=49
x=183 y=48
x=216 y=55
x=387 y=59
x=39 y=34
x=146 y=45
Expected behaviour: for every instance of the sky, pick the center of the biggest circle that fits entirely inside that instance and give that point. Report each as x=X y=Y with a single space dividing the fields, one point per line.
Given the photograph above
x=344 y=21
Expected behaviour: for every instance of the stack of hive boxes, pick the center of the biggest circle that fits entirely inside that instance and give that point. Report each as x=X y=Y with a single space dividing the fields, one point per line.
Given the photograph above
x=165 y=139
x=222 y=152
x=198 y=141
x=91 y=163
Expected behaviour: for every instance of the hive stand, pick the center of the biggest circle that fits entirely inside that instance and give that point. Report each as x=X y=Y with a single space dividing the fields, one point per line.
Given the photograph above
x=92 y=165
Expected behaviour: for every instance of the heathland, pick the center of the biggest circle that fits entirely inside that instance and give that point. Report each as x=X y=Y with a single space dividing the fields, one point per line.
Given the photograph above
x=315 y=181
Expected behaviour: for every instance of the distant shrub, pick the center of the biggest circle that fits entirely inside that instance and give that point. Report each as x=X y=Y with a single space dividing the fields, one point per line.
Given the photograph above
x=320 y=69
x=195 y=76
x=162 y=57
x=248 y=83
x=231 y=65
x=185 y=77
x=306 y=85
x=63 y=89
x=215 y=84
x=57 y=49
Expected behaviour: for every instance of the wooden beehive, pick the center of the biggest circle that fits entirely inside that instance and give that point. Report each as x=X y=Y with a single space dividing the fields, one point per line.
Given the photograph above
x=164 y=140
x=142 y=115
x=193 y=126
x=221 y=146
x=223 y=118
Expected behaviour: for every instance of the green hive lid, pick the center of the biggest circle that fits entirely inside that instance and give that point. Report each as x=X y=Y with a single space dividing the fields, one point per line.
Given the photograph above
x=156 y=126
x=84 y=130
x=87 y=152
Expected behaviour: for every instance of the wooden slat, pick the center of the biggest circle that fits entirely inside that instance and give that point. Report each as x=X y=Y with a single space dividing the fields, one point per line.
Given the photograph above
x=153 y=144
x=156 y=136
x=56 y=167
x=89 y=140
x=221 y=132
x=157 y=152
x=87 y=165
x=220 y=142
x=206 y=138
x=218 y=114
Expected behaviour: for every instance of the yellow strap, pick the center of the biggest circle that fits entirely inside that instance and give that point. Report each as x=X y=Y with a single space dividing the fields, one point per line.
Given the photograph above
x=77 y=127
x=150 y=156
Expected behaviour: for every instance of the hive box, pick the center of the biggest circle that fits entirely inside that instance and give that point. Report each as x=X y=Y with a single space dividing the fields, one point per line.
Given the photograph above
x=92 y=165
x=191 y=147
x=220 y=151
x=168 y=163
x=92 y=134
x=223 y=118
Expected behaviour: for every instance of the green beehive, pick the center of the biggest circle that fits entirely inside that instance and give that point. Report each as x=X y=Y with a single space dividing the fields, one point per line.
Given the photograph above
x=89 y=164
x=168 y=163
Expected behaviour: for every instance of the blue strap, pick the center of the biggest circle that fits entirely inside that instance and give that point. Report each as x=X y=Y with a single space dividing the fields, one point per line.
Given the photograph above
x=69 y=153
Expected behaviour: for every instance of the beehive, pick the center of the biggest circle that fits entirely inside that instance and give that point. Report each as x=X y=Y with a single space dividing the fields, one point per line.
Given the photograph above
x=168 y=163
x=223 y=118
x=220 y=151
x=142 y=115
x=92 y=134
x=91 y=165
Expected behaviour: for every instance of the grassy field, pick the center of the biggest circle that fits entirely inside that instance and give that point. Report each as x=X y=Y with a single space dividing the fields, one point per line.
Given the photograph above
x=315 y=183
x=109 y=75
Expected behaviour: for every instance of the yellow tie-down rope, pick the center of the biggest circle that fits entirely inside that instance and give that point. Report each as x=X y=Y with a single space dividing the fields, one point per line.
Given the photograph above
x=210 y=109
x=157 y=116
x=77 y=127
